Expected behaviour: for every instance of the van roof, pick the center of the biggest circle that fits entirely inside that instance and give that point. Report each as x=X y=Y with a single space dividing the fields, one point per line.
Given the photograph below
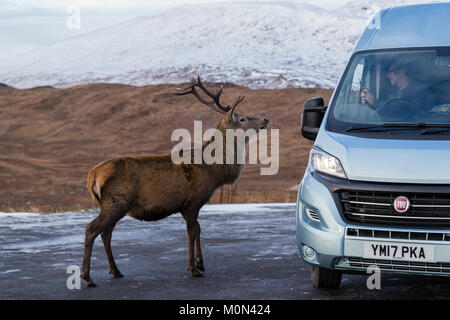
x=423 y=25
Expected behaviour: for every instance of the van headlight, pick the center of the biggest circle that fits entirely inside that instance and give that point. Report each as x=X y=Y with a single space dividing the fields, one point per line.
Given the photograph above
x=323 y=162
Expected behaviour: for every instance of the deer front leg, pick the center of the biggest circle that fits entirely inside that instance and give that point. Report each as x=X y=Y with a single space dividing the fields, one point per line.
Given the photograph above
x=192 y=230
x=198 y=251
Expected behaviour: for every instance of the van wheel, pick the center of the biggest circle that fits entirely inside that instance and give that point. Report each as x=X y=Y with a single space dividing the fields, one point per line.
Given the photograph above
x=325 y=278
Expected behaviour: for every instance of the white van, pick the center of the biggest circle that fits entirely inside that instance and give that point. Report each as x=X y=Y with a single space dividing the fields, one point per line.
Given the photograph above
x=377 y=188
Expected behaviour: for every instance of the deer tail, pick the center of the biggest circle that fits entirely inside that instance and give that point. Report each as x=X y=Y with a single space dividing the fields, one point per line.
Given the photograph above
x=97 y=177
x=93 y=187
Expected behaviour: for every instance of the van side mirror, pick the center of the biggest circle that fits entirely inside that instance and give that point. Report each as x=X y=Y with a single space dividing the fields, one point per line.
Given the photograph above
x=312 y=116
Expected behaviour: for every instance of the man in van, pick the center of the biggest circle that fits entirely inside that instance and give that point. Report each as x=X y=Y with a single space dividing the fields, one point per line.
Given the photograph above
x=406 y=99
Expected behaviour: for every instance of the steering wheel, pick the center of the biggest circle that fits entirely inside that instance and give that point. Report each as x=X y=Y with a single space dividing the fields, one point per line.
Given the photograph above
x=399 y=101
x=373 y=116
x=401 y=108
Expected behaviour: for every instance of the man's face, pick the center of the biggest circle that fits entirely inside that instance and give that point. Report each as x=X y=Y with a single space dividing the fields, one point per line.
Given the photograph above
x=395 y=74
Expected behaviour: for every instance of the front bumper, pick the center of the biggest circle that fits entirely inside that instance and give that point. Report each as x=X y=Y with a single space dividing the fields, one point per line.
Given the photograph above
x=339 y=244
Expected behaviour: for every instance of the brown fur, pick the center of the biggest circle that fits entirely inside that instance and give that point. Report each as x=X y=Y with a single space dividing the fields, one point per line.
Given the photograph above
x=153 y=187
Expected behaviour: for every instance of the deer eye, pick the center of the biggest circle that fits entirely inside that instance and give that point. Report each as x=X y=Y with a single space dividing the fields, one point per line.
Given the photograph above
x=242 y=119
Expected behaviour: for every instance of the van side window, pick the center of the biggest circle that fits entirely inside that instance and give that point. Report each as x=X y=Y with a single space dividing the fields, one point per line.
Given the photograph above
x=358 y=81
x=353 y=86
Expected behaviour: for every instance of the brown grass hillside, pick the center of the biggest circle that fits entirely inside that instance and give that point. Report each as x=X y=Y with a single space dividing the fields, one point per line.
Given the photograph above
x=49 y=138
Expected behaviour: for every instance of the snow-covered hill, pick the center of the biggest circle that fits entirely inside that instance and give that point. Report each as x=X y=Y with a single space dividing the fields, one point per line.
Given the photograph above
x=256 y=44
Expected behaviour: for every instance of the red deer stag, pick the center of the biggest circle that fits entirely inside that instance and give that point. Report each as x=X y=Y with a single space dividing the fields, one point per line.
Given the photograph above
x=153 y=187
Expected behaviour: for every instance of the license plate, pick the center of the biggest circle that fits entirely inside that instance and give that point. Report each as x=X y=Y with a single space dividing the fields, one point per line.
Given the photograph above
x=398 y=251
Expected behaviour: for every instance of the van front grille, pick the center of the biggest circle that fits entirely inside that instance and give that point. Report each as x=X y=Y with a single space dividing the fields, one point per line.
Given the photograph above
x=395 y=265
x=367 y=207
x=365 y=233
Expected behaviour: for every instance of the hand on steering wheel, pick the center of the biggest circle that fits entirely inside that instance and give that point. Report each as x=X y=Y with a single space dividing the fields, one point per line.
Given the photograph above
x=367 y=97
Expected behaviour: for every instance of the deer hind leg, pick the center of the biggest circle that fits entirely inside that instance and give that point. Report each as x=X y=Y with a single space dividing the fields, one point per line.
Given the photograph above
x=106 y=238
x=110 y=213
x=192 y=232
x=93 y=229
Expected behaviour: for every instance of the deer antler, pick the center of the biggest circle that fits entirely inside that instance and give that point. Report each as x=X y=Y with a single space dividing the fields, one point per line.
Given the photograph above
x=215 y=103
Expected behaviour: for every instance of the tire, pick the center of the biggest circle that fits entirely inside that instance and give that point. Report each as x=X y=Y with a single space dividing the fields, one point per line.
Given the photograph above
x=325 y=278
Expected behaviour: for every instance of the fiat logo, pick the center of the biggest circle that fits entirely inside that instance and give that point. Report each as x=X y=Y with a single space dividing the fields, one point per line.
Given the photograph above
x=401 y=204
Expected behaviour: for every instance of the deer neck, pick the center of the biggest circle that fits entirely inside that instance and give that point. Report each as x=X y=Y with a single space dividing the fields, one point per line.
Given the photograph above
x=231 y=168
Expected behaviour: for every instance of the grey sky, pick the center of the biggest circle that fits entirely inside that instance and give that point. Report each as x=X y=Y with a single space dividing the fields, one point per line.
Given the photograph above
x=27 y=25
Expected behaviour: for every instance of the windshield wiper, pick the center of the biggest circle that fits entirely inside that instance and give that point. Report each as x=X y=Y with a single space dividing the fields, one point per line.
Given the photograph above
x=436 y=131
x=390 y=126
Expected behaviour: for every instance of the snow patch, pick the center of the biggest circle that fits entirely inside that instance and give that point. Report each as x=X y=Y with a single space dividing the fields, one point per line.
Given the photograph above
x=10 y=271
x=255 y=44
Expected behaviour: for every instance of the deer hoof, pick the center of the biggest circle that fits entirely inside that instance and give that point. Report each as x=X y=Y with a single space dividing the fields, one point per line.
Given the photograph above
x=88 y=280
x=200 y=266
x=116 y=274
x=197 y=274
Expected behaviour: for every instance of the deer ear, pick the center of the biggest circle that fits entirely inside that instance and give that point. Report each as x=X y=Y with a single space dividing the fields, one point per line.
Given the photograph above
x=233 y=114
x=230 y=116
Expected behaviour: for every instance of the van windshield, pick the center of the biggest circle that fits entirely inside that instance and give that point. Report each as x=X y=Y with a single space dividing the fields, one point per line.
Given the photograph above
x=406 y=91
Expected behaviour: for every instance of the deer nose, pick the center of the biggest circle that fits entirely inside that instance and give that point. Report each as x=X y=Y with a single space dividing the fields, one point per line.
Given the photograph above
x=266 y=120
